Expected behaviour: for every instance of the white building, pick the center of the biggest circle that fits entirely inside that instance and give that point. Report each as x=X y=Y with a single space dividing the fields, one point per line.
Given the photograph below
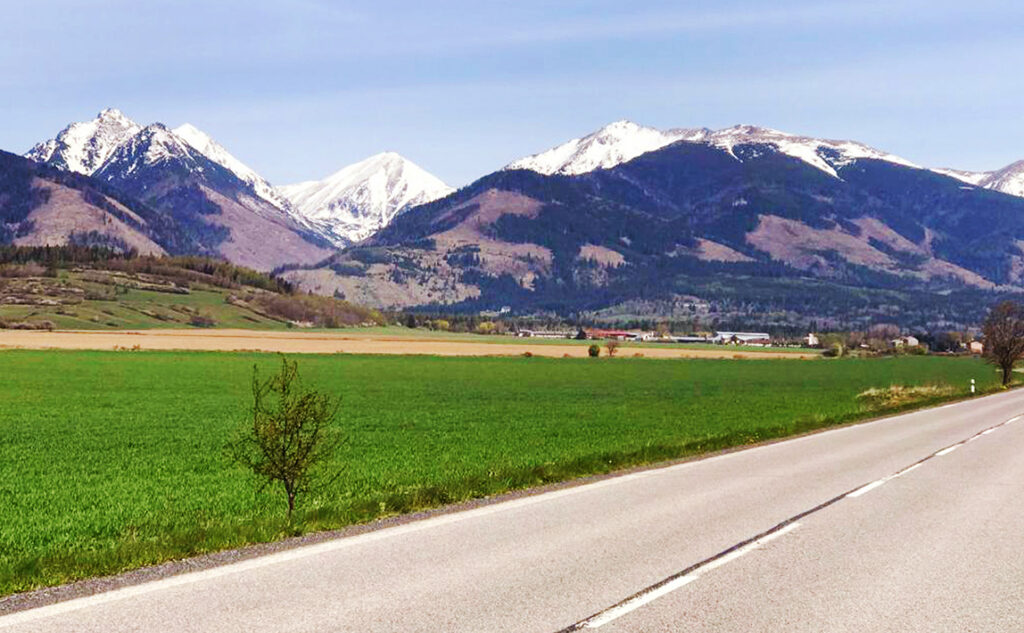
x=742 y=338
x=905 y=341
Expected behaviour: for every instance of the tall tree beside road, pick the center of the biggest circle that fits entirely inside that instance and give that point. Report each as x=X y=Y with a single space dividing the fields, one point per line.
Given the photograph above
x=1004 y=337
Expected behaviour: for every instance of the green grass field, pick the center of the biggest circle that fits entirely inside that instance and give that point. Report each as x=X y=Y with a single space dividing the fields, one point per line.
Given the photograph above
x=112 y=460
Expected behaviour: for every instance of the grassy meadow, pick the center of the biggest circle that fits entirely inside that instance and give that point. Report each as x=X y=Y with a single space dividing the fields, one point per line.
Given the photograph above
x=113 y=460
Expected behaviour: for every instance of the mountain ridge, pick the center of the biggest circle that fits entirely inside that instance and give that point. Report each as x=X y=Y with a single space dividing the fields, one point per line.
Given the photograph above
x=749 y=229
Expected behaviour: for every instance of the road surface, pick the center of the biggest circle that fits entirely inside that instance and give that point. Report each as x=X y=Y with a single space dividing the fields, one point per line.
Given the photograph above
x=913 y=523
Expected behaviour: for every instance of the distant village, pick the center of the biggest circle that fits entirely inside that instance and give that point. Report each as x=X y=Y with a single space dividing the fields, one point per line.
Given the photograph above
x=760 y=339
x=851 y=342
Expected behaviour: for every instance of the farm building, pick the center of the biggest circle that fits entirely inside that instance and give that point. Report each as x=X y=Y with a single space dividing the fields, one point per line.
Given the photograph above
x=545 y=334
x=742 y=338
x=618 y=335
x=905 y=341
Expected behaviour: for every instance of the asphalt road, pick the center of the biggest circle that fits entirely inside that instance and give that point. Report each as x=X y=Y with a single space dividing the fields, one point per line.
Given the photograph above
x=847 y=530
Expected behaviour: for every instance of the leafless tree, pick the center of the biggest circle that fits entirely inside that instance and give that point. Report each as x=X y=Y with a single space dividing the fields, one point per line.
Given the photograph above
x=289 y=437
x=612 y=346
x=1004 y=337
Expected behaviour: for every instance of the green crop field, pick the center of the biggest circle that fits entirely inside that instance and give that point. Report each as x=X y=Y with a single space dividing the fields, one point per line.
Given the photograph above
x=113 y=460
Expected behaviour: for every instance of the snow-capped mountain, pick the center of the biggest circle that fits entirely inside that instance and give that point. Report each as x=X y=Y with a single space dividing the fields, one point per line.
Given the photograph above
x=83 y=147
x=213 y=211
x=360 y=199
x=976 y=178
x=823 y=154
x=614 y=144
x=217 y=153
x=1009 y=179
x=623 y=141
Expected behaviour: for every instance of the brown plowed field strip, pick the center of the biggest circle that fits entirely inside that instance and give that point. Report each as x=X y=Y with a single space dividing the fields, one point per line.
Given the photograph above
x=329 y=343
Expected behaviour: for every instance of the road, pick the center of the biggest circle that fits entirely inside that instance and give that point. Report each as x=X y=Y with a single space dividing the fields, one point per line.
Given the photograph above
x=912 y=523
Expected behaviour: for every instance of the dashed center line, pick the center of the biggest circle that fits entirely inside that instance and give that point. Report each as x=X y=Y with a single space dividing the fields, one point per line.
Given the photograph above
x=690 y=574
x=675 y=582
x=868 y=488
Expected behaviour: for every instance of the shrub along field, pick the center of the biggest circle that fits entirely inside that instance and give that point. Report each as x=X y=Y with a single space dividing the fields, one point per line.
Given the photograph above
x=114 y=460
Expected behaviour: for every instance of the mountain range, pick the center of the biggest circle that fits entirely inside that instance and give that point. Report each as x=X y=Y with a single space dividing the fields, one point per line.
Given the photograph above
x=339 y=210
x=740 y=223
x=745 y=223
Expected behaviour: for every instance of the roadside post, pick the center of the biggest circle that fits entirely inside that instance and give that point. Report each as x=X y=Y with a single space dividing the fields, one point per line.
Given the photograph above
x=972 y=386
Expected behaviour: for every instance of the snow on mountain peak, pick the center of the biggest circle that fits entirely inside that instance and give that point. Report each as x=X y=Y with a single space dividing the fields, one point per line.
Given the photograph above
x=152 y=145
x=1009 y=179
x=614 y=144
x=823 y=154
x=622 y=141
x=83 y=147
x=216 y=152
x=360 y=199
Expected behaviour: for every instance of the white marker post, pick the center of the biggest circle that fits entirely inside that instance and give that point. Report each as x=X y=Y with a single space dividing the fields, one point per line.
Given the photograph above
x=972 y=386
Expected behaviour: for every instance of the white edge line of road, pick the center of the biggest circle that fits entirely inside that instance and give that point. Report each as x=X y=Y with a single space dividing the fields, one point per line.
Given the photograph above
x=187 y=578
x=635 y=603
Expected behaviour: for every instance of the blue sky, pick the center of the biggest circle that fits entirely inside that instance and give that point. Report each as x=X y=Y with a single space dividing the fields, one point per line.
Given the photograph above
x=301 y=88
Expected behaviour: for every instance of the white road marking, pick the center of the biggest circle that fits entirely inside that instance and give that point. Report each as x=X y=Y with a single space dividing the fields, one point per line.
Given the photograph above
x=987 y=431
x=617 y=612
x=746 y=549
x=947 y=450
x=868 y=488
x=633 y=604
x=907 y=470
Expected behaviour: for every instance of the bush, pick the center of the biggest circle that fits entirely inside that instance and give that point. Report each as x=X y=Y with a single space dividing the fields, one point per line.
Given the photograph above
x=876 y=399
x=202 y=320
x=30 y=325
x=594 y=351
x=836 y=350
x=316 y=310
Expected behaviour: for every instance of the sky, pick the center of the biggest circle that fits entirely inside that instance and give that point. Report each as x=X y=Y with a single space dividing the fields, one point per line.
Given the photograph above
x=299 y=89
